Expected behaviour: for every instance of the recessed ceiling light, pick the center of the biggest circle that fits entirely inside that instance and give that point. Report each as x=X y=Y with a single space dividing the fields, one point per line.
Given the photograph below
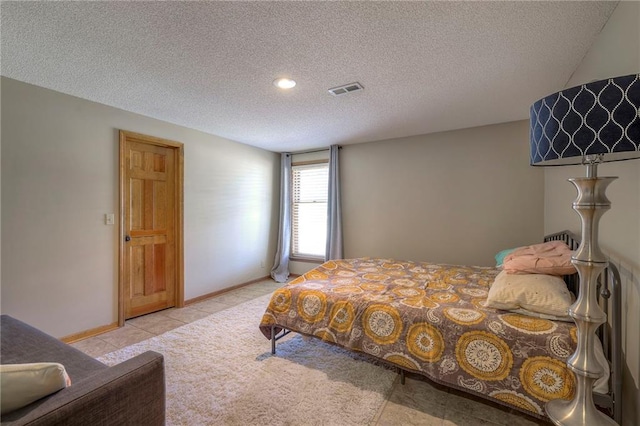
x=284 y=83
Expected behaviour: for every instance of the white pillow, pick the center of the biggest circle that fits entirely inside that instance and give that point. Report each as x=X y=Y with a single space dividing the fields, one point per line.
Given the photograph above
x=545 y=294
x=22 y=384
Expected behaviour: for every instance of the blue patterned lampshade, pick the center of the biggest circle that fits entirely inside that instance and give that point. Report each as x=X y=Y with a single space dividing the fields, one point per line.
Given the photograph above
x=601 y=117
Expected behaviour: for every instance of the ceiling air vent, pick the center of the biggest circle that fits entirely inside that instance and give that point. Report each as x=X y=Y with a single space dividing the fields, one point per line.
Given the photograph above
x=347 y=88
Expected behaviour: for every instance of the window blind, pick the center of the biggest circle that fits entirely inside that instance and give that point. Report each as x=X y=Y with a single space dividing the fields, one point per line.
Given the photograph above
x=309 y=209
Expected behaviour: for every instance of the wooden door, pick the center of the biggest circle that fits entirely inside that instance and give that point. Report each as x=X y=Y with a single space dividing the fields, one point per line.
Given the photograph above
x=151 y=224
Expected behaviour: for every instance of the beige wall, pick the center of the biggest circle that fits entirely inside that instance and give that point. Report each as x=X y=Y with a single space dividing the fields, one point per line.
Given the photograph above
x=0 y=200
x=59 y=178
x=616 y=52
x=454 y=197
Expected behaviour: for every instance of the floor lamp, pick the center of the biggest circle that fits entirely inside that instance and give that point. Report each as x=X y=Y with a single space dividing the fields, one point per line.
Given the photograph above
x=588 y=124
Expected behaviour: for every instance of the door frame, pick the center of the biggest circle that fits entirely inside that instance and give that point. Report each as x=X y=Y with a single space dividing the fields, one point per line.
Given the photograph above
x=178 y=148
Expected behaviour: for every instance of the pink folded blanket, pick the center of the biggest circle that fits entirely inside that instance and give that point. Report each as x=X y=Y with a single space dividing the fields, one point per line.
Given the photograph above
x=552 y=258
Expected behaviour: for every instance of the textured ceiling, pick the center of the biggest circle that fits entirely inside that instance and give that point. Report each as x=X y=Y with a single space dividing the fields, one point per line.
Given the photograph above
x=425 y=66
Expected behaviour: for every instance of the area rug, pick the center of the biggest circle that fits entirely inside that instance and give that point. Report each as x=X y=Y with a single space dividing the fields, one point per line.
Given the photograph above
x=220 y=371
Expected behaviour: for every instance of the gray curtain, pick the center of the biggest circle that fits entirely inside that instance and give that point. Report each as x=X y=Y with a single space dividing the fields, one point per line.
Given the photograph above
x=280 y=271
x=334 y=208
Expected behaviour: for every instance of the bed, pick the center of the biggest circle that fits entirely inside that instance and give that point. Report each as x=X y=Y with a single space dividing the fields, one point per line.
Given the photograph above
x=430 y=319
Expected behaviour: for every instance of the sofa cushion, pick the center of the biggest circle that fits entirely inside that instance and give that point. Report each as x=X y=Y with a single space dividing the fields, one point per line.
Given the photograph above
x=21 y=384
x=20 y=343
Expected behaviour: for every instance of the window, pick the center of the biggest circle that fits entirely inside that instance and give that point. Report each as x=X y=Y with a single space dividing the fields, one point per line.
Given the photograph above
x=309 y=210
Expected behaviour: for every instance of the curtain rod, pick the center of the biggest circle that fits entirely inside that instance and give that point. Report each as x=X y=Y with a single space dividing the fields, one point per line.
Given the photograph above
x=315 y=150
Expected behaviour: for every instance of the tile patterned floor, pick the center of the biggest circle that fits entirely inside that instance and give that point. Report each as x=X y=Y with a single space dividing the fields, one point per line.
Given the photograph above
x=417 y=402
x=147 y=326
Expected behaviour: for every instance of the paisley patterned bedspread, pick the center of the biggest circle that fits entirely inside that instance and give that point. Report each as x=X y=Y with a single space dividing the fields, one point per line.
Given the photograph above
x=429 y=318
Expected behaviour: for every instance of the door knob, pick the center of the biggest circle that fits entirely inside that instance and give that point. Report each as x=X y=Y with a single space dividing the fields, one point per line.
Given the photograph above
x=127 y=238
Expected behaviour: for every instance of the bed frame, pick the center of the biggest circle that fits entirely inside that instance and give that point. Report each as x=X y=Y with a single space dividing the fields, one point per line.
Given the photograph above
x=609 y=332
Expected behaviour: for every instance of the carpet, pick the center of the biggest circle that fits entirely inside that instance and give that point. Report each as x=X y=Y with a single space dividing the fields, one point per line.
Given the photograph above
x=219 y=370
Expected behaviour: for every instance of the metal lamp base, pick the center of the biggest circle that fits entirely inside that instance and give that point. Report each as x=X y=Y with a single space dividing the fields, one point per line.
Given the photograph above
x=576 y=413
x=589 y=261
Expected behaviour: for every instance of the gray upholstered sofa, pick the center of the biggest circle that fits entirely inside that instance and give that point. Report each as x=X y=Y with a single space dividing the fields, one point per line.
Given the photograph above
x=130 y=393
